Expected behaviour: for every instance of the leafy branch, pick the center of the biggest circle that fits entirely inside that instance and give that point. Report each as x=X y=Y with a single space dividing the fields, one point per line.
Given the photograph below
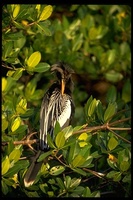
x=95 y=129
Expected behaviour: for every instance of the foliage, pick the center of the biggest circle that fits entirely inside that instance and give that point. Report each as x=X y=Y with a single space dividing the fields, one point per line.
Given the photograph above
x=91 y=157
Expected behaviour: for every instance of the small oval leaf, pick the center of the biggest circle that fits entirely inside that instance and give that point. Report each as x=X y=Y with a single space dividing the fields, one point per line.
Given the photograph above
x=92 y=107
x=56 y=170
x=15 y=155
x=78 y=161
x=41 y=67
x=60 y=139
x=110 y=111
x=16 y=10
x=112 y=143
x=124 y=166
x=16 y=123
x=34 y=59
x=5 y=165
x=47 y=11
x=4 y=83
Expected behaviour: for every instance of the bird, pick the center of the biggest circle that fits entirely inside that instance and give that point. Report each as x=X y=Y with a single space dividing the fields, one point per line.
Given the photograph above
x=57 y=105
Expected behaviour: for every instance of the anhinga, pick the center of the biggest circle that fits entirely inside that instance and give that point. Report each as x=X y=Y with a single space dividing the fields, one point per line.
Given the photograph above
x=57 y=105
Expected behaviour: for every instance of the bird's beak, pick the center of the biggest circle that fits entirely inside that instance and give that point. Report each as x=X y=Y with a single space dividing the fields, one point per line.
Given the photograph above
x=62 y=86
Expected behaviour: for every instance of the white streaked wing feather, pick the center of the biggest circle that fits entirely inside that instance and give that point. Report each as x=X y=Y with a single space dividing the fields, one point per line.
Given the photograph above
x=57 y=108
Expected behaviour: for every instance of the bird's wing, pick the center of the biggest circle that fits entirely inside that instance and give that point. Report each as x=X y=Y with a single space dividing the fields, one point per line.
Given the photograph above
x=55 y=107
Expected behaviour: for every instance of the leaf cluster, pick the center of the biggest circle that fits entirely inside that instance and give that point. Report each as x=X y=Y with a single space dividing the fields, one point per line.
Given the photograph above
x=91 y=157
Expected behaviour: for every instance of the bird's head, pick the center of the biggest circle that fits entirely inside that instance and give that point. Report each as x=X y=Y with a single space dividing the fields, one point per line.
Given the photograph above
x=63 y=73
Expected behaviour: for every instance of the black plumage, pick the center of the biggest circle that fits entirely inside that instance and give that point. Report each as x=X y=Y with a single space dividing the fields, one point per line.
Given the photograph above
x=57 y=105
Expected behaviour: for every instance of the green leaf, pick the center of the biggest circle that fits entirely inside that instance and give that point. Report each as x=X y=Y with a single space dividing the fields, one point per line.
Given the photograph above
x=111 y=56
x=126 y=91
x=56 y=170
x=44 y=155
x=68 y=131
x=15 y=155
x=28 y=113
x=110 y=111
x=41 y=67
x=30 y=89
x=83 y=136
x=116 y=176
x=38 y=94
x=46 y=13
x=87 y=192
x=100 y=111
x=95 y=194
x=113 y=76
x=112 y=144
x=7 y=49
x=4 y=123
x=57 y=128
x=22 y=164
x=16 y=10
x=33 y=60
x=21 y=106
x=32 y=194
x=78 y=41
x=60 y=183
x=111 y=94
x=78 y=161
x=74 y=150
x=50 y=141
x=5 y=165
x=124 y=166
x=75 y=182
x=43 y=29
x=4 y=187
x=4 y=84
x=67 y=181
x=79 y=171
x=92 y=107
x=20 y=129
x=60 y=139
x=15 y=124
x=20 y=42
x=17 y=74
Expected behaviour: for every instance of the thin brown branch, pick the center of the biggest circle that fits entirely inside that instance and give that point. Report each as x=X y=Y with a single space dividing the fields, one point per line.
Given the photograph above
x=119 y=136
x=99 y=175
x=6 y=66
x=26 y=142
x=119 y=121
x=119 y=128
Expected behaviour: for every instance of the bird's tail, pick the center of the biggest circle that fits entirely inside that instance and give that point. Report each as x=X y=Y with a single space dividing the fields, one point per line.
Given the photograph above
x=32 y=171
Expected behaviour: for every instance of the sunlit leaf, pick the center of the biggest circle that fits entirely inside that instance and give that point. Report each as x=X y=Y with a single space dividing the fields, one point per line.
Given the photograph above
x=5 y=165
x=15 y=155
x=47 y=11
x=21 y=106
x=78 y=161
x=92 y=107
x=112 y=143
x=60 y=139
x=16 y=10
x=83 y=136
x=56 y=170
x=4 y=83
x=34 y=59
x=16 y=123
